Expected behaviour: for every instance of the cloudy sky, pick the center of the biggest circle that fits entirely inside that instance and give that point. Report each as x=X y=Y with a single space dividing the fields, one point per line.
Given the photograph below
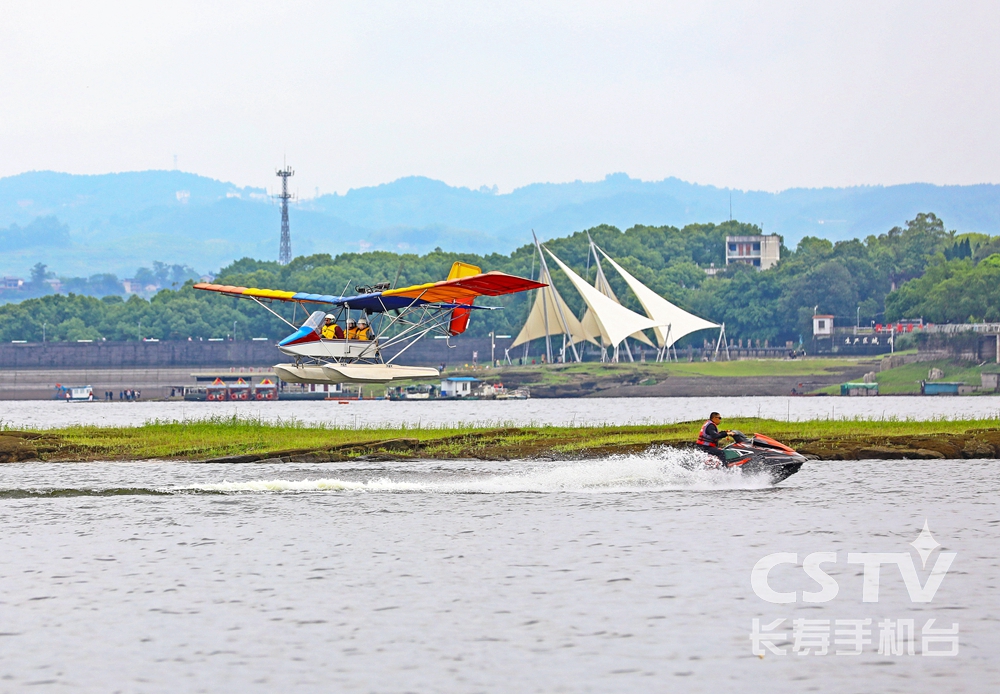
x=762 y=95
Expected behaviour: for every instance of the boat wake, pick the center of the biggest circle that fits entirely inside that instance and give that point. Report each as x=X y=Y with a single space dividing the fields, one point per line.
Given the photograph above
x=64 y=492
x=659 y=469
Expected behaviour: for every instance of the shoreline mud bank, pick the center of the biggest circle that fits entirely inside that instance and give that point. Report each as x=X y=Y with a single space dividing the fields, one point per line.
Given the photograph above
x=248 y=441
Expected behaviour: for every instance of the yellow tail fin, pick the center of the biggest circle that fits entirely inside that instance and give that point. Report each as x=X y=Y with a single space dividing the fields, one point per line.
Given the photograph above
x=460 y=316
x=459 y=269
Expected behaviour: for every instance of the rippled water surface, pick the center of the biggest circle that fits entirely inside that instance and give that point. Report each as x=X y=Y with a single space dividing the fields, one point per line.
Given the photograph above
x=48 y=413
x=626 y=574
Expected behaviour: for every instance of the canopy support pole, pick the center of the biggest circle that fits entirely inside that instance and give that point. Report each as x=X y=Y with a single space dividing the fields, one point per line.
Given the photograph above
x=565 y=326
x=718 y=344
x=545 y=318
x=544 y=270
x=562 y=318
x=664 y=351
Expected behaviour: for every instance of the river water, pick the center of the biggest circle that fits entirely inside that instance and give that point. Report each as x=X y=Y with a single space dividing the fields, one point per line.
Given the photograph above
x=32 y=414
x=628 y=574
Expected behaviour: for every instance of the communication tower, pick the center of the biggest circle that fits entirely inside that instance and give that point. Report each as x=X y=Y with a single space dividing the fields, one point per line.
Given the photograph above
x=285 y=251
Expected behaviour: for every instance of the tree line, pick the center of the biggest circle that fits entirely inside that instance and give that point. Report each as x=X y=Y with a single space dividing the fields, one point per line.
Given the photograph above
x=919 y=269
x=43 y=281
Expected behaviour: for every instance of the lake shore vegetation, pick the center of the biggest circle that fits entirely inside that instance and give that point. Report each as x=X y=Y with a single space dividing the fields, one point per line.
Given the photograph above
x=246 y=440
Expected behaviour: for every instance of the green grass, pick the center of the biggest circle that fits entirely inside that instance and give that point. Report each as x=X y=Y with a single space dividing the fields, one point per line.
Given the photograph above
x=557 y=374
x=220 y=436
x=906 y=379
x=764 y=367
x=217 y=437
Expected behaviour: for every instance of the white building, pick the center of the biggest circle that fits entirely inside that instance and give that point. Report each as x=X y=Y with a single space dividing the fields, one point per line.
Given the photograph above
x=762 y=252
x=457 y=386
x=822 y=326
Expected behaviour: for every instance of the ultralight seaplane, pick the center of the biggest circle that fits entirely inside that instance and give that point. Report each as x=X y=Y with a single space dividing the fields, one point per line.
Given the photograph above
x=399 y=318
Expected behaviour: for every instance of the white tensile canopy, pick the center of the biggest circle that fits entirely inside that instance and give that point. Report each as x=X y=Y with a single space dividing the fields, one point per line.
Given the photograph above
x=550 y=316
x=616 y=321
x=671 y=322
x=589 y=322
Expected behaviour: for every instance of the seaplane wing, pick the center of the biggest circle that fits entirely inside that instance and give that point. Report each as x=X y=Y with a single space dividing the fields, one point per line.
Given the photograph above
x=450 y=293
x=398 y=318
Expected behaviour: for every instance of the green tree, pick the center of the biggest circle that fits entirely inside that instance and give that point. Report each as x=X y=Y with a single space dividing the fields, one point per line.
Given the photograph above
x=932 y=268
x=953 y=292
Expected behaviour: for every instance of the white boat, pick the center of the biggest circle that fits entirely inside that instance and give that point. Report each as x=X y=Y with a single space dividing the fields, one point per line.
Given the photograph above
x=76 y=393
x=519 y=394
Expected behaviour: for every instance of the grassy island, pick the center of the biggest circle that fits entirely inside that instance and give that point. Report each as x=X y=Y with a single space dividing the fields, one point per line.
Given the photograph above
x=243 y=440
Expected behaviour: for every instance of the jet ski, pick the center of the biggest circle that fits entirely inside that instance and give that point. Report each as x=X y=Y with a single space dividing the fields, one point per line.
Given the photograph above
x=758 y=455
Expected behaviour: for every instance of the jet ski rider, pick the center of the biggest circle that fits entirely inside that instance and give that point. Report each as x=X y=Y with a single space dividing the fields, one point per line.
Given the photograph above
x=710 y=435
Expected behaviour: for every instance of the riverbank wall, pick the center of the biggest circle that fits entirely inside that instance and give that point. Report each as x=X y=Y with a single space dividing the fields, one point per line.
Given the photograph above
x=30 y=371
x=178 y=353
x=430 y=351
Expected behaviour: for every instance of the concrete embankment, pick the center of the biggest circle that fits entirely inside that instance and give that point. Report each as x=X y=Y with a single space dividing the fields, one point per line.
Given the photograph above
x=29 y=371
x=666 y=380
x=152 y=382
x=155 y=383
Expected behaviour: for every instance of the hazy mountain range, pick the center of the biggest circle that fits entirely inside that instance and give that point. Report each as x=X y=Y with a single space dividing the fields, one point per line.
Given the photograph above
x=118 y=222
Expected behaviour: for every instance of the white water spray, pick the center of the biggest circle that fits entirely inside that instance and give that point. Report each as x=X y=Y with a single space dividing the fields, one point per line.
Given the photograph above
x=659 y=469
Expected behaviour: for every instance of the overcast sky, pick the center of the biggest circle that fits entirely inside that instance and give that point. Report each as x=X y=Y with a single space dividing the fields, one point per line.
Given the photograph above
x=750 y=95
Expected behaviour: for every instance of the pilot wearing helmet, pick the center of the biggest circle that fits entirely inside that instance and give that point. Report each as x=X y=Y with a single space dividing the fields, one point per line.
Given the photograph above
x=352 y=329
x=331 y=331
x=364 y=332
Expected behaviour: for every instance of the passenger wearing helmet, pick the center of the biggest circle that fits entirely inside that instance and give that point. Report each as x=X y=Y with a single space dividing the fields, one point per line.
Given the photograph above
x=352 y=329
x=331 y=331
x=364 y=332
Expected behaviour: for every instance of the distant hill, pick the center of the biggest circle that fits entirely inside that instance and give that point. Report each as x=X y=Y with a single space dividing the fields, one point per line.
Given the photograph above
x=118 y=222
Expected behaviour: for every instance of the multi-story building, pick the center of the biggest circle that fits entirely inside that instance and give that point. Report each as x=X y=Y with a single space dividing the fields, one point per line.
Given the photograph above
x=762 y=252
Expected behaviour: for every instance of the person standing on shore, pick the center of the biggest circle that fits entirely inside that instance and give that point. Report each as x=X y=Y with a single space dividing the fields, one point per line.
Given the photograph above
x=710 y=435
